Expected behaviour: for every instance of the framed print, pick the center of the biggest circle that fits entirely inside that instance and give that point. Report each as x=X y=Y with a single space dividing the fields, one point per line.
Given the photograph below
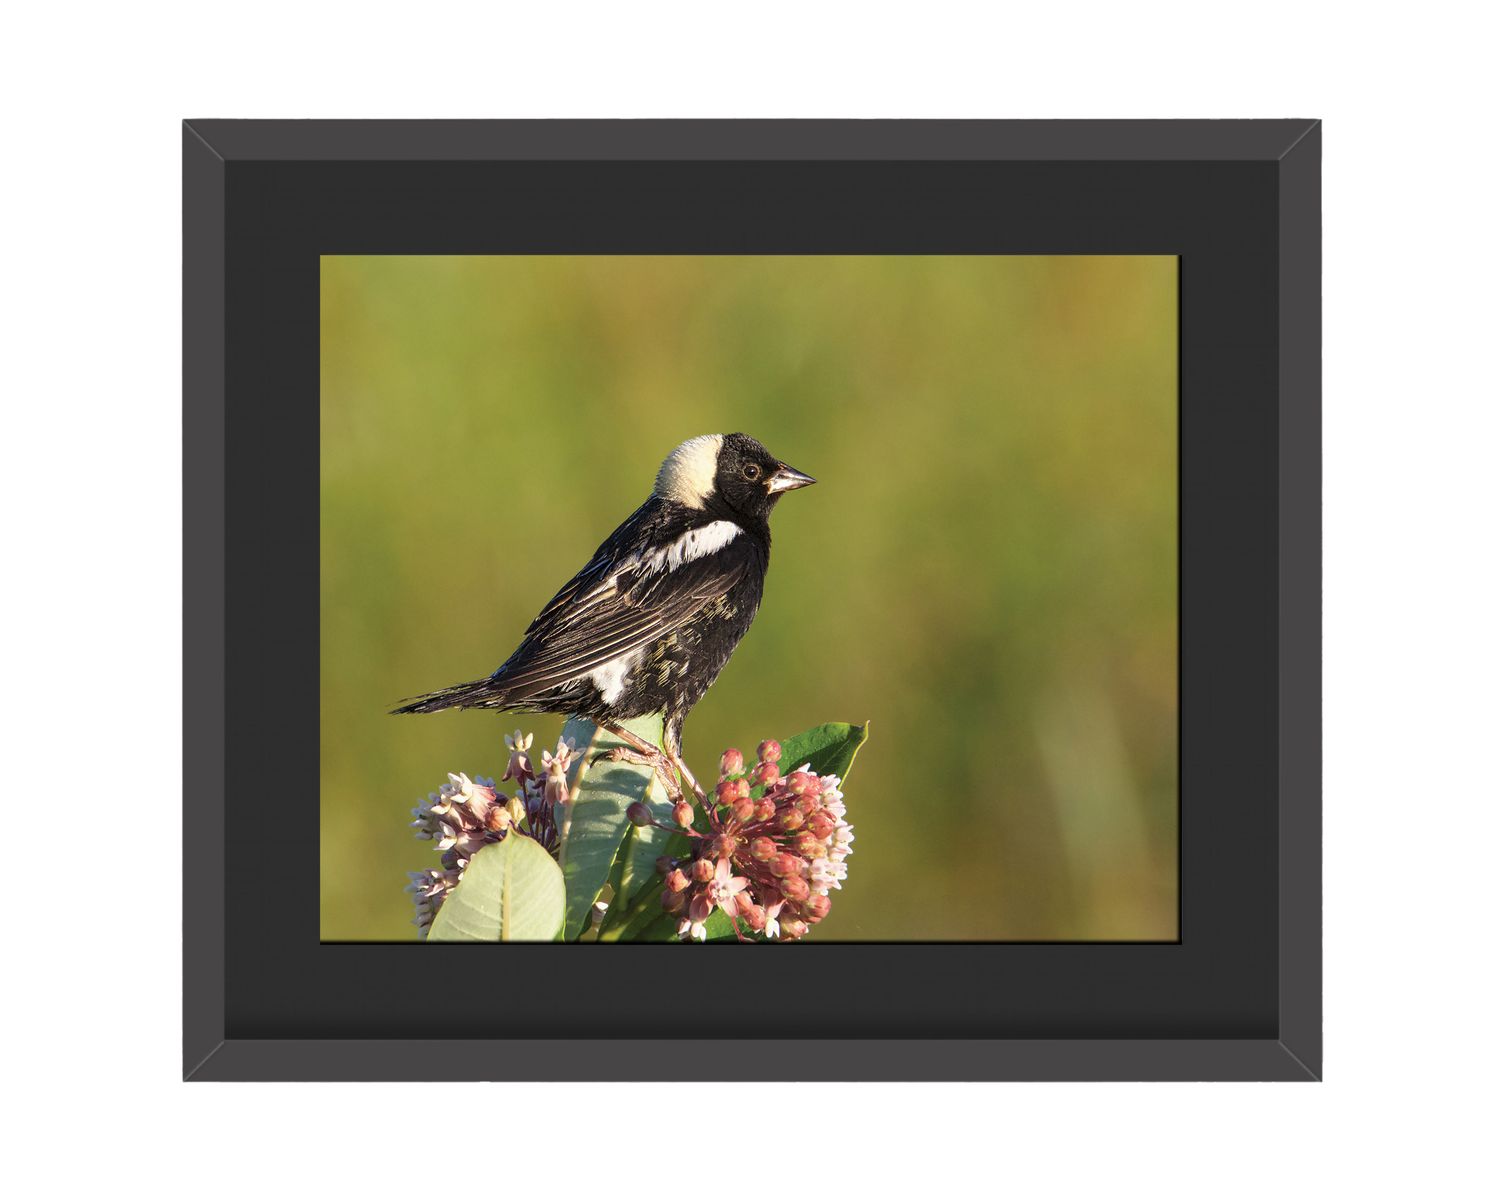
x=611 y=546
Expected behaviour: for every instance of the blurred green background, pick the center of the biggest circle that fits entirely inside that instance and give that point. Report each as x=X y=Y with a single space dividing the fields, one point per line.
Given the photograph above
x=986 y=571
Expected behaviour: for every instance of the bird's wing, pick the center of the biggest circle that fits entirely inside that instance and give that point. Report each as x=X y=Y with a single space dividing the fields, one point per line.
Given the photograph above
x=618 y=605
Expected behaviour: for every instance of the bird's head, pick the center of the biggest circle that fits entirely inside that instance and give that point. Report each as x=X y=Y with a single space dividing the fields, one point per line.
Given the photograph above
x=727 y=471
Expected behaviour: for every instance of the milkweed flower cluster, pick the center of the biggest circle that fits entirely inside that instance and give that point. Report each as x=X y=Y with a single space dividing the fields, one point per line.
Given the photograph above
x=466 y=814
x=774 y=846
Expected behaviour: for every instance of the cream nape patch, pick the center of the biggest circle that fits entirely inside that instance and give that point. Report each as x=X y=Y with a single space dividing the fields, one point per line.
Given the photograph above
x=687 y=476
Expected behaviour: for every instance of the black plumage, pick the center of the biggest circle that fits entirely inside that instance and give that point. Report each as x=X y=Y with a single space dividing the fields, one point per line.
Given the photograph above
x=647 y=625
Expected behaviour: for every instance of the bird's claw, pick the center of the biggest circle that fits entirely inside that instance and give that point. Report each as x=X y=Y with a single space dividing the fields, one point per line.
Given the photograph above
x=658 y=763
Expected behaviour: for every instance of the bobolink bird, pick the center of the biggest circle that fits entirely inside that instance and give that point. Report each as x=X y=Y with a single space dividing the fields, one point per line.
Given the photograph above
x=652 y=619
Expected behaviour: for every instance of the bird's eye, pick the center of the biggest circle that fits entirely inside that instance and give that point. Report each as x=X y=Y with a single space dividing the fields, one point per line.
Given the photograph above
x=750 y=471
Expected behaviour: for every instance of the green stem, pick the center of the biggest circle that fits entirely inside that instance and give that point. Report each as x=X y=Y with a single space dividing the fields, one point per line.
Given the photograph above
x=612 y=930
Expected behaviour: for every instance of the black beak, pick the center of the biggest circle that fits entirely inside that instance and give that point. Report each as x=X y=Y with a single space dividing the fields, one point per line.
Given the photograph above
x=787 y=479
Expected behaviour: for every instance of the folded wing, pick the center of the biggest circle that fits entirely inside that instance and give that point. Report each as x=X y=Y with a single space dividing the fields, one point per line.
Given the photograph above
x=616 y=606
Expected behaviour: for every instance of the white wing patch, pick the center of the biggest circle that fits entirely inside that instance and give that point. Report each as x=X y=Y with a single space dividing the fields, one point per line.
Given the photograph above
x=610 y=678
x=692 y=545
x=688 y=474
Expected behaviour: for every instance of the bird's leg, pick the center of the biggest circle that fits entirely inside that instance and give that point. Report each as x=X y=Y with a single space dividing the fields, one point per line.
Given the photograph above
x=677 y=761
x=641 y=745
x=672 y=743
x=644 y=754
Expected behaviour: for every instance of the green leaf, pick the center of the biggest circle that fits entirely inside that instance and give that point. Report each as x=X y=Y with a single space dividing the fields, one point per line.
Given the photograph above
x=719 y=928
x=642 y=921
x=512 y=891
x=639 y=852
x=830 y=749
x=594 y=842
x=650 y=924
x=640 y=917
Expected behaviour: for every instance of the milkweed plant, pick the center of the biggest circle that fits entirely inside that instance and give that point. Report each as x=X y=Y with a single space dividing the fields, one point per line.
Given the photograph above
x=580 y=846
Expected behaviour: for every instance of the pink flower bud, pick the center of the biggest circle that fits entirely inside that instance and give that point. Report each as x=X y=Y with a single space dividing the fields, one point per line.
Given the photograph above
x=765 y=808
x=799 y=782
x=673 y=901
x=638 y=814
x=723 y=846
x=790 y=819
x=786 y=865
x=816 y=908
x=766 y=774
x=682 y=813
x=726 y=792
x=762 y=849
x=793 y=929
x=731 y=762
x=743 y=808
x=768 y=751
x=795 y=888
x=703 y=869
x=678 y=882
x=755 y=917
x=743 y=902
x=497 y=820
x=820 y=824
x=808 y=845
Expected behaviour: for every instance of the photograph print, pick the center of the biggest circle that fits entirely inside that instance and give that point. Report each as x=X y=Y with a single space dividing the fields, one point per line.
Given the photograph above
x=763 y=599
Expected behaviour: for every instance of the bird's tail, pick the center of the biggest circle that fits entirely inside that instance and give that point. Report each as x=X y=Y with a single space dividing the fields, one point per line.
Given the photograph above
x=479 y=693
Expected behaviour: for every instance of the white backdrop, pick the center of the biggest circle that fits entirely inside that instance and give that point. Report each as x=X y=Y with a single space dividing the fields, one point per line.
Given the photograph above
x=90 y=695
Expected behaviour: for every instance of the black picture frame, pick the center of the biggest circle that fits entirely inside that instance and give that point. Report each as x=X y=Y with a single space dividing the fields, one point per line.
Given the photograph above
x=1238 y=997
